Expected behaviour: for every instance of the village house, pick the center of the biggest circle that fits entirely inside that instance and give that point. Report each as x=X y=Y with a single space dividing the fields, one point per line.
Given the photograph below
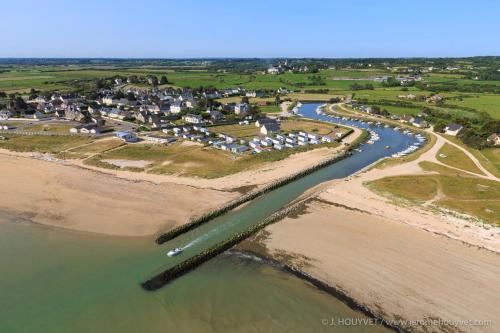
x=282 y=90
x=262 y=121
x=435 y=99
x=269 y=128
x=35 y=115
x=127 y=136
x=215 y=115
x=241 y=109
x=275 y=70
x=407 y=96
x=453 y=129
x=159 y=139
x=494 y=139
x=177 y=107
x=193 y=119
x=419 y=122
x=405 y=118
x=5 y=114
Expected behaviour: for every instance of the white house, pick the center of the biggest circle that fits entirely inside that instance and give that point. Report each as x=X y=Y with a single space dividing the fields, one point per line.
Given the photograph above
x=494 y=139
x=241 y=108
x=193 y=119
x=270 y=128
x=159 y=139
x=177 y=107
x=5 y=114
x=275 y=70
x=452 y=129
x=127 y=136
x=326 y=138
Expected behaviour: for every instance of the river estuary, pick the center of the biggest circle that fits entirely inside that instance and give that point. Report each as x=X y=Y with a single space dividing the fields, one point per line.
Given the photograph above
x=61 y=281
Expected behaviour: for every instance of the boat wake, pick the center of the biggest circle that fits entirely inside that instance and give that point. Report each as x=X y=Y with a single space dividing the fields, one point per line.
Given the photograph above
x=206 y=236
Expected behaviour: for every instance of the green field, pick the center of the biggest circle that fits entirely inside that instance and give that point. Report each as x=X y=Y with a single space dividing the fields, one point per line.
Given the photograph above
x=459 y=192
x=42 y=144
x=191 y=159
x=456 y=158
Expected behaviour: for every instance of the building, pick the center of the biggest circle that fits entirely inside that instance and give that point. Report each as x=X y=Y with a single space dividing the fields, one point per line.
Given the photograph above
x=405 y=118
x=159 y=139
x=193 y=119
x=270 y=128
x=275 y=70
x=90 y=129
x=494 y=139
x=127 y=136
x=453 y=129
x=215 y=115
x=5 y=114
x=241 y=108
x=263 y=121
x=177 y=107
x=419 y=122
x=326 y=139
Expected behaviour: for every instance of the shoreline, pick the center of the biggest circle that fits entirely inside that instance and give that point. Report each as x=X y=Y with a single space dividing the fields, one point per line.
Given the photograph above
x=317 y=283
x=394 y=270
x=403 y=262
x=123 y=203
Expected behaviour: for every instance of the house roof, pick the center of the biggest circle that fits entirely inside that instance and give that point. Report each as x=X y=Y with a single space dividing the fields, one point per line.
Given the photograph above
x=263 y=121
x=273 y=127
x=453 y=127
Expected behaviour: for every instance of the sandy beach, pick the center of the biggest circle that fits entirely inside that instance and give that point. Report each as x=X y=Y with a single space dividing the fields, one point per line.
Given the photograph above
x=72 y=195
x=402 y=262
x=85 y=200
x=398 y=271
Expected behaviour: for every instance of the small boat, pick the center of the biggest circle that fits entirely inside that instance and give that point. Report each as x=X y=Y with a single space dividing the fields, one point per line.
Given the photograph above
x=174 y=252
x=387 y=147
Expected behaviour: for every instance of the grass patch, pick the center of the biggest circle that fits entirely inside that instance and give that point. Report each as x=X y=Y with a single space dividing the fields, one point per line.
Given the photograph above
x=270 y=109
x=488 y=211
x=48 y=127
x=407 y=187
x=238 y=131
x=317 y=127
x=98 y=147
x=42 y=144
x=192 y=160
x=456 y=158
x=488 y=157
x=459 y=191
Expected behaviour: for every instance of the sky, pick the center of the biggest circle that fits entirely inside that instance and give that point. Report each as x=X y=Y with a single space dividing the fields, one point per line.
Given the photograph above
x=249 y=28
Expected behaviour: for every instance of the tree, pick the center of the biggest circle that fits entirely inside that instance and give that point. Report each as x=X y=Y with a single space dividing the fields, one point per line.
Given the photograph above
x=163 y=79
x=245 y=99
x=153 y=80
x=277 y=100
x=33 y=94
x=19 y=104
x=439 y=126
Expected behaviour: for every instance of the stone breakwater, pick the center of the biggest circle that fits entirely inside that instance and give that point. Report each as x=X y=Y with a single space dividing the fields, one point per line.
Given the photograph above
x=194 y=223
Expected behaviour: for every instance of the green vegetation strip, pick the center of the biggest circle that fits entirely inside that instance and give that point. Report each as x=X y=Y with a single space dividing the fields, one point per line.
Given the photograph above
x=250 y=196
